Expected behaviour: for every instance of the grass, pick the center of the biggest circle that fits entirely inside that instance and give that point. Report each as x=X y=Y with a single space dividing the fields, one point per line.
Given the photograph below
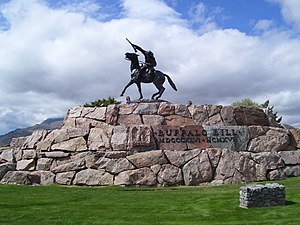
x=124 y=205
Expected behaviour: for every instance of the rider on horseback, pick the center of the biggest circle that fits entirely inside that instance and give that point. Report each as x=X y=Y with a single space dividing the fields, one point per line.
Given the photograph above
x=149 y=64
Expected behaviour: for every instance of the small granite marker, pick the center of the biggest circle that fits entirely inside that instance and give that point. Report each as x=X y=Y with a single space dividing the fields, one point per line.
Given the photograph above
x=258 y=195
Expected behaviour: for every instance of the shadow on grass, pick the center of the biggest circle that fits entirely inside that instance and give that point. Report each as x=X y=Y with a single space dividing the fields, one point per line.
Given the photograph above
x=290 y=203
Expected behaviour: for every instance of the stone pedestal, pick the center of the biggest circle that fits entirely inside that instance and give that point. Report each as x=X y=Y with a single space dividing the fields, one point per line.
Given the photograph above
x=154 y=143
x=258 y=195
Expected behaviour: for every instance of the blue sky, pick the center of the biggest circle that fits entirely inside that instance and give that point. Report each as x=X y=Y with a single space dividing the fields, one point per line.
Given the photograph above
x=243 y=14
x=63 y=53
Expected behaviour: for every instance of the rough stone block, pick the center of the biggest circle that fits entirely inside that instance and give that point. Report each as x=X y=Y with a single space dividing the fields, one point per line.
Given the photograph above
x=16 y=177
x=44 y=164
x=198 y=170
x=76 y=144
x=166 y=109
x=56 y=154
x=258 y=195
x=28 y=164
x=47 y=177
x=295 y=137
x=99 y=139
x=5 y=167
x=99 y=113
x=29 y=154
x=153 y=119
x=34 y=138
x=93 y=178
x=70 y=166
x=175 y=120
x=141 y=177
x=250 y=116
x=146 y=108
x=179 y=158
x=169 y=175
x=292 y=171
x=276 y=139
x=147 y=159
x=7 y=155
x=290 y=157
x=65 y=178
x=119 y=138
x=116 y=166
x=130 y=119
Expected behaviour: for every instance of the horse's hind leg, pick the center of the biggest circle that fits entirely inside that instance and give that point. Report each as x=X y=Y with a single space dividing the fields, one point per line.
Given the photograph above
x=161 y=90
x=156 y=93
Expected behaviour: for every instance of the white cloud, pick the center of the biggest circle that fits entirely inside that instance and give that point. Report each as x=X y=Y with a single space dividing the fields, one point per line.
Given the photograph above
x=155 y=10
x=263 y=25
x=290 y=10
x=54 y=58
x=205 y=18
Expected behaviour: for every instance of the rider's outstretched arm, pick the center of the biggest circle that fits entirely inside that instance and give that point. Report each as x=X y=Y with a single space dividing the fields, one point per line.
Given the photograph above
x=139 y=48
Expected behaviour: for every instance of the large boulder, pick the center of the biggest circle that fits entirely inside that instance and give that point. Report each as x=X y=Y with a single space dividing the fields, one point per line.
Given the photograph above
x=116 y=166
x=250 y=116
x=295 y=137
x=16 y=177
x=65 y=178
x=93 y=177
x=70 y=166
x=226 y=166
x=290 y=157
x=26 y=164
x=73 y=145
x=292 y=171
x=5 y=167
x=169 y=175
x=34 y=138
x=7 y=155
x=276 y=139
x=141 y=177
x=198 y=170
x=119 y=138
x=99 y=139
x=179 y=158
x=46 y=177
x=147 y=159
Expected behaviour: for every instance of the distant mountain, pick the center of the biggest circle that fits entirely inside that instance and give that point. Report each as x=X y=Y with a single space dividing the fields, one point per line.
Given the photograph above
x=48 y=124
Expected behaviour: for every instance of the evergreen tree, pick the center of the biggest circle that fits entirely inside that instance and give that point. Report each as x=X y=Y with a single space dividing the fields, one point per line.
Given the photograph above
x=251 y=104
x=102 y=102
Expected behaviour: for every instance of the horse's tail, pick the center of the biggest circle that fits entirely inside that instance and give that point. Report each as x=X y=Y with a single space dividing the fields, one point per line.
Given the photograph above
x=171 y=82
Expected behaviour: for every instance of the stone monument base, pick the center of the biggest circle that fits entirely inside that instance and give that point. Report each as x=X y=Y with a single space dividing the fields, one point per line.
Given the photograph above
x=155 y=144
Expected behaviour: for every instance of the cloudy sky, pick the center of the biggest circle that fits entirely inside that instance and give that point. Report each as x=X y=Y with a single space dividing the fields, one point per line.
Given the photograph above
x=56 y=54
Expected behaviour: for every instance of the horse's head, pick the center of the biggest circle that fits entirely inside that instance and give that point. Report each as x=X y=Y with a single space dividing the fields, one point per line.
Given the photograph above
x=131 y=56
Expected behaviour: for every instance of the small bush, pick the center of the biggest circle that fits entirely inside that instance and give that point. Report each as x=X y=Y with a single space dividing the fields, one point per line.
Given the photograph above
x=102 y=102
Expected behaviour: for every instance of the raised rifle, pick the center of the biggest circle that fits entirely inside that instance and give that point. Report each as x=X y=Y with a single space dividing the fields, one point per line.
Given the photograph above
x=132 y=45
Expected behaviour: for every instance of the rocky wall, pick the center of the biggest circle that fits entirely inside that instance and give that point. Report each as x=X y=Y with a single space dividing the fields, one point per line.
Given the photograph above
x=155 y=144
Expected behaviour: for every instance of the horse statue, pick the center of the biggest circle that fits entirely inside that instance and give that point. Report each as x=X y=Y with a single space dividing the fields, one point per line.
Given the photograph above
x=156 y=77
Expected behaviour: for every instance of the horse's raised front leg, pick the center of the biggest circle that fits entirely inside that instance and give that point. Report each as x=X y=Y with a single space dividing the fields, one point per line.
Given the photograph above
x=129 y=83
x=138 y=84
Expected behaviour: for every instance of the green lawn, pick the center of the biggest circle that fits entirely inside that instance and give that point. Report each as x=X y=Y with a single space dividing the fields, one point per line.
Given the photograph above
x=123 y=205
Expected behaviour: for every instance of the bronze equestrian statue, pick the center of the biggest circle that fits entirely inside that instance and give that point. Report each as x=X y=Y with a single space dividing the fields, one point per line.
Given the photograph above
x=146 y=73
